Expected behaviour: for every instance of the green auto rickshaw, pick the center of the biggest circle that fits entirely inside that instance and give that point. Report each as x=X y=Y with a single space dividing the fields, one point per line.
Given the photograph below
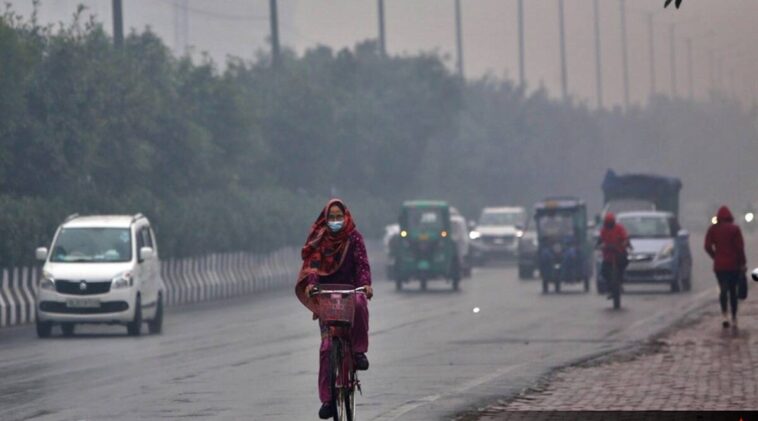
x=426 y=249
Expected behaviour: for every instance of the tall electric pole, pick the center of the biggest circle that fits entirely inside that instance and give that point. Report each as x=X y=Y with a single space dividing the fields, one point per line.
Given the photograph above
x=673 y=60
x=598 y=62
x=690 y=84
x=274 y=18
x=181 y=26
x=521 y=73
x=651 y=47
x=382 y=39
x=712 y=71
x=459 y=37
x=118 y=23
x=564 y=72
x=624 y=53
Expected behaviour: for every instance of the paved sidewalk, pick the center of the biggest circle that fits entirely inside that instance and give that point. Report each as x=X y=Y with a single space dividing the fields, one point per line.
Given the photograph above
x=697 y=366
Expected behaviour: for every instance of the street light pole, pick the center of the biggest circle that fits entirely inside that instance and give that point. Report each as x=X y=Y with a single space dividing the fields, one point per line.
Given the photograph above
x=382 y=40
x=625 y=57
x=118 y=23
x=598 y=62
x=564 y=71
x=673 y=60
x=651 y=33
x=521 y=73
x=181 y=27
x=459 y=37
x=274 y=20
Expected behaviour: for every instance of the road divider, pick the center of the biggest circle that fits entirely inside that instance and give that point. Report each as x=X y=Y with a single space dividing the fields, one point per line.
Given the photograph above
x=188 y=280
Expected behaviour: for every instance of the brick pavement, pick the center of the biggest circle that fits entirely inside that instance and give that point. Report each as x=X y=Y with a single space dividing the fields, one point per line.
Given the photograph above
x=698 y=366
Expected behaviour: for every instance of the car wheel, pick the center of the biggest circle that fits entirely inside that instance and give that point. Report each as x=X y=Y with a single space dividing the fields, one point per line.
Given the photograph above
x=399 y=285
x=423 y=285
x=586 y=284
x=67 y=329
x=44 y=329
x=545 y=286
x=135 y=326
x=155 y=326
x=676 y=284
x=558 y=286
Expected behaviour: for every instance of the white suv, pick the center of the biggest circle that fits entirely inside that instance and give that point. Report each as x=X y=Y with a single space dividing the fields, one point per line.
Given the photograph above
x=101 y=269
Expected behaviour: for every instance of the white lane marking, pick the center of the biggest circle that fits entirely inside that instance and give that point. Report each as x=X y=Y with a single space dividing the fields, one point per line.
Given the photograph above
x=398 y=412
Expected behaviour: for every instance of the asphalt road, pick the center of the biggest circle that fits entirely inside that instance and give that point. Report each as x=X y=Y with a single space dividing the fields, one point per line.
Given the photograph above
x=256 y=357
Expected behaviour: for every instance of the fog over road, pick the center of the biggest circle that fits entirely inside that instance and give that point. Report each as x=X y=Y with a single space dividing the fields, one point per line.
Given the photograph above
x=256 y=357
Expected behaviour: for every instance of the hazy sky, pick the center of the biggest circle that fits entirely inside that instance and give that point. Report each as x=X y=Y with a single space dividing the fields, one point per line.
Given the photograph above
x=241 y=27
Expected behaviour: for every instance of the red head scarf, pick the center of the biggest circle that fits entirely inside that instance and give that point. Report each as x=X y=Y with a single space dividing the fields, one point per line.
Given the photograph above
x=324 y=251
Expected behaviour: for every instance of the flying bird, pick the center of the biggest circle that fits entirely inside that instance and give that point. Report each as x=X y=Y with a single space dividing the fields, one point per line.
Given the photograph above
x=677 y=4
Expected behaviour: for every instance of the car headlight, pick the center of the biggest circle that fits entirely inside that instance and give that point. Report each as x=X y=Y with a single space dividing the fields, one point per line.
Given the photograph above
x=474 y=235
x=519 y=233
x=122 y=281
x=47 y=282
x=749 y=217
x=666 y=252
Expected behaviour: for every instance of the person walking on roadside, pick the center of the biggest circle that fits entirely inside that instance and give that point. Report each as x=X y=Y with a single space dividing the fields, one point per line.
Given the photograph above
x=724 y=243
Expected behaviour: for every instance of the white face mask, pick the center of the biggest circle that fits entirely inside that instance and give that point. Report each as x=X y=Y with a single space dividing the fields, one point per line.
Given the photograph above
x=336 y=226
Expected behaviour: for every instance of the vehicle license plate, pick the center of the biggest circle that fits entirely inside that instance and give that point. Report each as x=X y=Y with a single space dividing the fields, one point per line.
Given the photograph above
x=423 y=265
x=82 y=303
x=499 y=241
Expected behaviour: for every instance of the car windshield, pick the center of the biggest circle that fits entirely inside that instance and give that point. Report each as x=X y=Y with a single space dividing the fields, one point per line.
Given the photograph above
x=555 y=225
x=502 y=218
x=646 y=226
x=92 y=245
x=425 y=219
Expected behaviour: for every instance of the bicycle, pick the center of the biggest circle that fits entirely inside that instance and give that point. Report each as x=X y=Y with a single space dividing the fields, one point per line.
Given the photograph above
x=336 y=308
x=615 y=279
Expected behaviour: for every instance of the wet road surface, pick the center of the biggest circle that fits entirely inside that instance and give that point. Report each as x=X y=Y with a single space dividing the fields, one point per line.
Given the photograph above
x=256 y=357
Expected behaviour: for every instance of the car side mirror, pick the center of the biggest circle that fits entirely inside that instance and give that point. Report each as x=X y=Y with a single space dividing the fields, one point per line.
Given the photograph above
x=41 y=253
x=755 y=274
x=520 y=227
x=471 y=225
x=146 y=253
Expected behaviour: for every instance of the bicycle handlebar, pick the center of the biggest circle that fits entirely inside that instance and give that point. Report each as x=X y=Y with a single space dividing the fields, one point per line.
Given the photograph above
x=317 y=291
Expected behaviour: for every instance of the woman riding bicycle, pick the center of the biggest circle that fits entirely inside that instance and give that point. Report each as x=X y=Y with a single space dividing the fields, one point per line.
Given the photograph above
x=335 y=253
x=614 y=242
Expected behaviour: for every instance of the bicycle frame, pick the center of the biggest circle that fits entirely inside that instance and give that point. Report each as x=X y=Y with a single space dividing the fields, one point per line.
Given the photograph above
x=343 y=376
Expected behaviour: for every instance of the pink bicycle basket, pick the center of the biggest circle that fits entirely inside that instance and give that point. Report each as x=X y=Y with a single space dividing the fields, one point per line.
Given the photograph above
x=336 y=309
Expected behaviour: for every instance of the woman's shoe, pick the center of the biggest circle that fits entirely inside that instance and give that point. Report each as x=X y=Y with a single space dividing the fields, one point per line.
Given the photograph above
x=734 y=322
x=725 y=323
x=326 y=411
x=361 y=362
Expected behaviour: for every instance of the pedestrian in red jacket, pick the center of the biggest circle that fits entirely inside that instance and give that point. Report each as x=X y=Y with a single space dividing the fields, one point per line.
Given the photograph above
x=723 y=242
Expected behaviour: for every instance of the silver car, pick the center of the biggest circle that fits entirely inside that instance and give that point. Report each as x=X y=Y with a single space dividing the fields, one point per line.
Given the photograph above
x=660 y=250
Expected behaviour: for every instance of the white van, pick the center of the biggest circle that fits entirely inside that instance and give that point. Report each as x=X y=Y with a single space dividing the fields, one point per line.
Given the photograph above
x=101 y=269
